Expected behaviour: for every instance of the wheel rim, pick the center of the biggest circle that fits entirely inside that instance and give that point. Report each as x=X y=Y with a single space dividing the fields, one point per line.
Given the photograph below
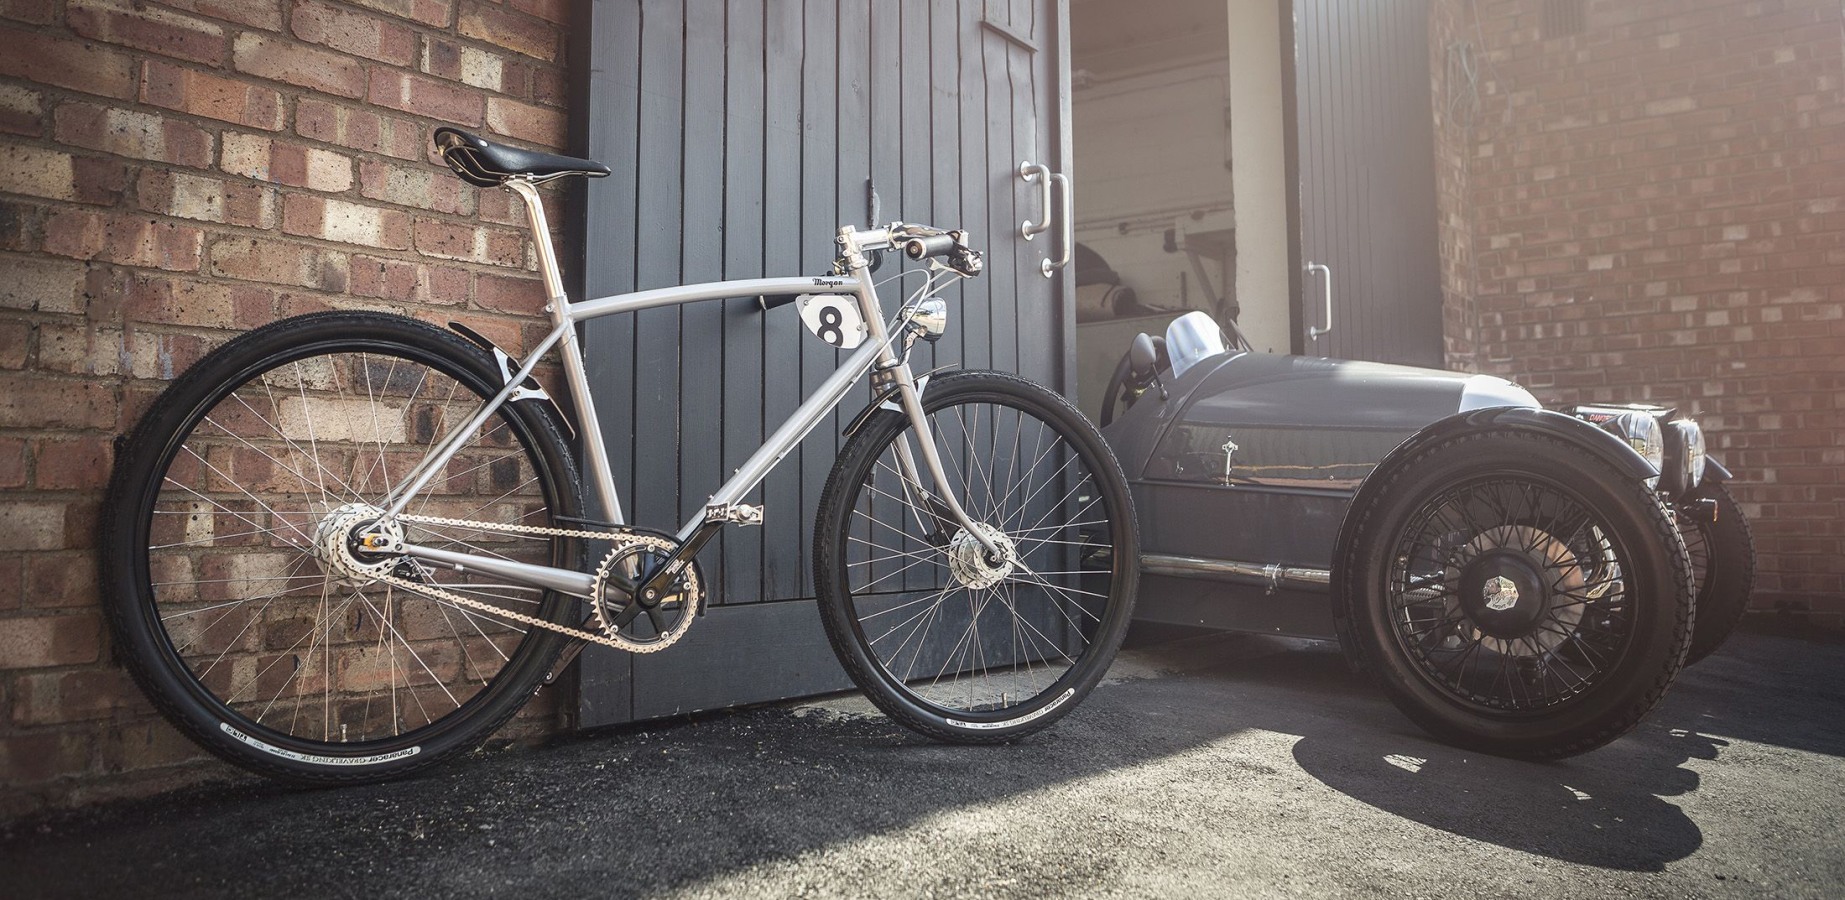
x=1510 y=595
x=294 y=650
x=960 y=633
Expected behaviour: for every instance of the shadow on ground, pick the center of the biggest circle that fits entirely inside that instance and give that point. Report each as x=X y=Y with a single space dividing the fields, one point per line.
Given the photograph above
x=641 y=810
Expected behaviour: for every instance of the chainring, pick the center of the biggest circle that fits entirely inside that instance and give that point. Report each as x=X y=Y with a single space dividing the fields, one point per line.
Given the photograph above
x=660 y=625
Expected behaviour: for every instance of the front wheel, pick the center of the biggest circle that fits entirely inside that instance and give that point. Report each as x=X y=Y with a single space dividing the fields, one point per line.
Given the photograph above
x=947 y=638
x=1723 y=563
x=1514 y=593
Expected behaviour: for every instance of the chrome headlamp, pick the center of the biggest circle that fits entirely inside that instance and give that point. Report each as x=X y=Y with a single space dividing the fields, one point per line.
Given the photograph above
x=930 y=320
x=1687 y=441
x=1642 y=432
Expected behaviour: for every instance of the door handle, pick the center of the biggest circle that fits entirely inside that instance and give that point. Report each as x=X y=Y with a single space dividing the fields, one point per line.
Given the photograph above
x=1314 y=332
x=1030 y=172
x=1069 y=226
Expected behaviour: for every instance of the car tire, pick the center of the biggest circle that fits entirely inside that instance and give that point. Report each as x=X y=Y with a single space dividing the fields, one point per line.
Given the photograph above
x=1513 y=592
x=1723 y=566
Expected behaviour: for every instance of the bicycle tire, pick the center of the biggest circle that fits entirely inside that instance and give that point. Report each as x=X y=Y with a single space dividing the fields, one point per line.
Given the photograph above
x=877 y=552
x=210 y=545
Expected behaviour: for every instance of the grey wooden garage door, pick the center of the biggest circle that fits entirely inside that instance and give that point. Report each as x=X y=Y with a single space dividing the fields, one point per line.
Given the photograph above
x=741 y=134
x=1366 y=160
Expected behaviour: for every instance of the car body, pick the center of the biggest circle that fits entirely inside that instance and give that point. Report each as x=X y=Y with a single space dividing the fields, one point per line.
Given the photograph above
x=1250 y=470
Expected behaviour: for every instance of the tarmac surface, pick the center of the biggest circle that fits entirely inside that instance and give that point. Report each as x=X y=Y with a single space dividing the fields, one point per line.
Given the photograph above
x=1221 y=766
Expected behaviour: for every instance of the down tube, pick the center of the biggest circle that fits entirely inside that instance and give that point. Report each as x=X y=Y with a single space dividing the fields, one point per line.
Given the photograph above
x=799 y=424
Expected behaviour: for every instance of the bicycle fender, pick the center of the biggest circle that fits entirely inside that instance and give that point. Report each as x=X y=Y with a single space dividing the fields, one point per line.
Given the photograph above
x=534 y=392
x=885 y=399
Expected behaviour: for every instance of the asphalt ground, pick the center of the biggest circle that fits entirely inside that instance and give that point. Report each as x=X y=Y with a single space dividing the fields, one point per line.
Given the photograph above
x=1223 y=766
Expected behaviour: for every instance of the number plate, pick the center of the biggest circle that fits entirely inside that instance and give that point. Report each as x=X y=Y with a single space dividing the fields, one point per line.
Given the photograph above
x=834 y=319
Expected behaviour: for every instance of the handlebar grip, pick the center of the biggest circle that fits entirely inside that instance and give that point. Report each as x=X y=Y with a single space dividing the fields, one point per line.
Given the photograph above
x=924 y=247
x=768 y=303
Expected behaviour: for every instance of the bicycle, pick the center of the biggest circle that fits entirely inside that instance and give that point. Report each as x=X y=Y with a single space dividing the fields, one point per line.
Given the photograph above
x=348 y=545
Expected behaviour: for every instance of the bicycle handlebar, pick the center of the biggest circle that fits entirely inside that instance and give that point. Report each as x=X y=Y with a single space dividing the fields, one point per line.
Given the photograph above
x=917 y=242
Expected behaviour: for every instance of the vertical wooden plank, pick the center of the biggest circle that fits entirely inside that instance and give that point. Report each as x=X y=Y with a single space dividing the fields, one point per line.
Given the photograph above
x=702 y=365
x=819 y=165
x=1037 y=324
x=782 y=198
x=944 y=150
x=853 y=140
x=1007 y=264
x=978 y=172
x=604 y=676
x=743 y=318
x=657 y=242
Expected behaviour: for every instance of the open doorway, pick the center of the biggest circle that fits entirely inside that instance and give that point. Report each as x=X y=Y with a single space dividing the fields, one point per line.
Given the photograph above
x=1157 y=215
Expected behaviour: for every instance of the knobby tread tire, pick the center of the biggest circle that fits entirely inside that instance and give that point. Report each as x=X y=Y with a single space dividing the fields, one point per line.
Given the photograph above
x=1723 y=597
x=141 y=645
x=1353 y=582
x=855 y=459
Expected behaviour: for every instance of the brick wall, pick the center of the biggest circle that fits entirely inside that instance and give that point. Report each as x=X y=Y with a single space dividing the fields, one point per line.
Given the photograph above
x=172 y=173
x=1655 y=209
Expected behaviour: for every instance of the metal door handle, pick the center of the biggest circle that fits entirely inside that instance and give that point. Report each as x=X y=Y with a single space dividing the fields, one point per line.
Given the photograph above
x=1069 y=227
x=1315 y=332
x=1030 y=171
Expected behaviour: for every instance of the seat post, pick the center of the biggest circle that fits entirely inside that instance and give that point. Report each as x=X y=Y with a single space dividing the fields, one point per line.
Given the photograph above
x=541 y=239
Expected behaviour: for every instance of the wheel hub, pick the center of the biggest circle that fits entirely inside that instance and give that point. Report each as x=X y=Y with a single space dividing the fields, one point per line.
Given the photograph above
x=354 y=547
x=1520 y=591
x=972 y=565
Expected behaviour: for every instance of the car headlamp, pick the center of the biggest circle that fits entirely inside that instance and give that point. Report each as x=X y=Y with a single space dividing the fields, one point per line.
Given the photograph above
x=1642 y=432
x=1689 y=440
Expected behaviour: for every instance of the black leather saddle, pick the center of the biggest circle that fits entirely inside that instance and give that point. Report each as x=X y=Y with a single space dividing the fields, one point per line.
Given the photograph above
x=482 y=162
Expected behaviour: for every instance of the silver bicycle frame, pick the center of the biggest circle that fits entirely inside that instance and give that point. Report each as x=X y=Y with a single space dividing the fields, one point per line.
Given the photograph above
x=877 y=351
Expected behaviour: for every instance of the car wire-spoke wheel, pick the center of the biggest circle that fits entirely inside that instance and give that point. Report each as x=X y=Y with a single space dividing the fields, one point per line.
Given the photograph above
x=1513 y=590
x=254 y=583
x=958 y=639
x=1509 y=595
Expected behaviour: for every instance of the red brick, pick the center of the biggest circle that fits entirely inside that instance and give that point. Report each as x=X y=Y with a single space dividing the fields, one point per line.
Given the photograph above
x=425 y=97
x=424 y=187
x=359 y=129
x=202 y=94
x=44 y=59
x=298 y=165
x=152 y=744
x=278 y=262
x=428 y=12
x=557 y=11
x=12 y=569
x=469 y=65
x=515 y=32
x=447 y=240
x=36 y=642
x=264 y=14
x=346 y=223
x=361 y=35
x=526 y=122
x=132 y=133
x=386 y=279
x=22 y=110
x=281 y=60
x=37 y=758
x=60 y=580
x=38 y=12
x=12 y=473
x=80 y=463
x=60 y=697
x=155 y=30
x=500 y=293
x=168 y=301
x=123 y=239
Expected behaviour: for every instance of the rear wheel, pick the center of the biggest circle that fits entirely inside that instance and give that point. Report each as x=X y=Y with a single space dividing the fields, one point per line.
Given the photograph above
x=239 y=594
x=944 y=637
x=1514 y=593
x=1722 y=563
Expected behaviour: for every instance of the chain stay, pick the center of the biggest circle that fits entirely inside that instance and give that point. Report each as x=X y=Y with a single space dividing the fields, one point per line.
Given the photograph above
x=438 y=593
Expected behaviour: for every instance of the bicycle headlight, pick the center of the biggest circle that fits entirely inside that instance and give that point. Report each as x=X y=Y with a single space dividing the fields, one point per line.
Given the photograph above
x=930 y=320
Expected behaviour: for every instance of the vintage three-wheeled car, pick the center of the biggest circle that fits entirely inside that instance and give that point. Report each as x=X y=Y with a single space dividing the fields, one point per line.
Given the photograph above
x=1518 y=580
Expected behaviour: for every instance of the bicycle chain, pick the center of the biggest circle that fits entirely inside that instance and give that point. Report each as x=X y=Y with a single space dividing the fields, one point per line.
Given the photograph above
x=437 y=592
